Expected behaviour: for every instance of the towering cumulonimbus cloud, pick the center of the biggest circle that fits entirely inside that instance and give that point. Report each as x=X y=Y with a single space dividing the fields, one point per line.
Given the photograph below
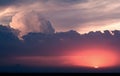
x=31 y=21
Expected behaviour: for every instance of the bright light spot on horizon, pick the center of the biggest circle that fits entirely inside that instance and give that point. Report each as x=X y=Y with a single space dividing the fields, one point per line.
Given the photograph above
x=95 y=58
x=96 y=67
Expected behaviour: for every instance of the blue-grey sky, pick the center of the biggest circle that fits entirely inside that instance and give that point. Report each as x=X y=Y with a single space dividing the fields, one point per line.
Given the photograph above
x=80 y=15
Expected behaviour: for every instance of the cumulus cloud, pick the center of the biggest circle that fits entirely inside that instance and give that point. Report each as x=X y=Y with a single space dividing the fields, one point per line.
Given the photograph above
x=31 y=21
x=67 y=14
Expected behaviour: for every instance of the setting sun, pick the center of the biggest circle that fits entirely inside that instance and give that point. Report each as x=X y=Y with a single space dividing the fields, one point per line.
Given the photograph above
x=59 y=36
x=96 y=67
x=95 y=58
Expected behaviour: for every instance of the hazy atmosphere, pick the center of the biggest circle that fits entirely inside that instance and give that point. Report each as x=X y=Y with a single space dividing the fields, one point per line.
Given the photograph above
x=84 y=34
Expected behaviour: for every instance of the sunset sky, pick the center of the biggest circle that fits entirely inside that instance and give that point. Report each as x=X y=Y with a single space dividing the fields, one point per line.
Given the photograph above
x=67 y=33
x=80 y=15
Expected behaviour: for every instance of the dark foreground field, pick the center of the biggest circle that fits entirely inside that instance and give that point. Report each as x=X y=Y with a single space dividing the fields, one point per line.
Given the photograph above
x=22 y=69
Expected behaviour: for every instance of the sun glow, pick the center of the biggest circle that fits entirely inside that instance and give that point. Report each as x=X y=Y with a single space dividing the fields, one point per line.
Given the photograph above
x=96 y=67
x=95 y=58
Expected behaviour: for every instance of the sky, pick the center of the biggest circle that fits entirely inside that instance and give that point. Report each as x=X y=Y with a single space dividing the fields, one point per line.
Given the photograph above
x=82 y=33
x=80 y=15
x=63 y=49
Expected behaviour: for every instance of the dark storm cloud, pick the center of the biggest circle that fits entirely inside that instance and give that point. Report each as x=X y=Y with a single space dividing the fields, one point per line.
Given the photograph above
x=51 y=49
x=57 y=44
x=8 y=41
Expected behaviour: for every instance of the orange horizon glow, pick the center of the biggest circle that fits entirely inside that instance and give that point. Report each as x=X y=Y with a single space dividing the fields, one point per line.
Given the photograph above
x=95 y=58
x=92 y=58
